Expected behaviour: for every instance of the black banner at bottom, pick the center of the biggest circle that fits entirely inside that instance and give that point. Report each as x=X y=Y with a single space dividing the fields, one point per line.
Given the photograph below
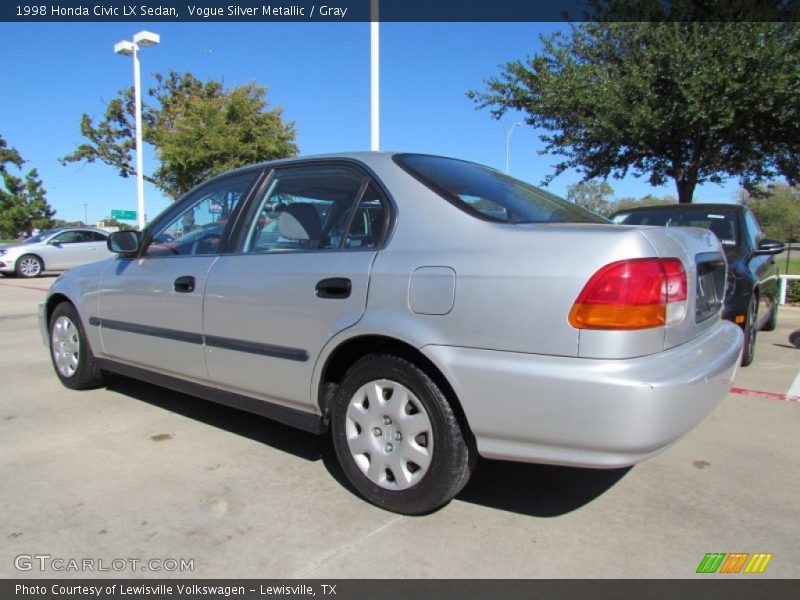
x=391 y=589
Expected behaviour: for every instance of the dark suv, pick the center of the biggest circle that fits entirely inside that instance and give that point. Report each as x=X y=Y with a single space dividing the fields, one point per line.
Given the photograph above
x=751 y=293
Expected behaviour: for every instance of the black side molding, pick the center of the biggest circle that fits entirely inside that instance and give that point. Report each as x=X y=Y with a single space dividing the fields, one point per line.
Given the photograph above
x=284 y=352
x=257 y=348
x=170 y=334
x=288 y=416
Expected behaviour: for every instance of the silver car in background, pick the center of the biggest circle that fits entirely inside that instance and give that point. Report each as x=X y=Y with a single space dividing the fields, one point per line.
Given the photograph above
x=421 y=309
x=54 y=250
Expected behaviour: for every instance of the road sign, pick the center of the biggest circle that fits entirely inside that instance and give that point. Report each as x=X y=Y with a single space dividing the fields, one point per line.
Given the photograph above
x=124 y=215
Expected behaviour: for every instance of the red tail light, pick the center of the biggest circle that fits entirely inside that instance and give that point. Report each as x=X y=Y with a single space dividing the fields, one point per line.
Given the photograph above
x=632 y=294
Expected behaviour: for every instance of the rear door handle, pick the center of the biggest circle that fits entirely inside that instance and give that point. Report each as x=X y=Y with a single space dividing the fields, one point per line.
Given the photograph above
x=185 y=284
x=336 y=288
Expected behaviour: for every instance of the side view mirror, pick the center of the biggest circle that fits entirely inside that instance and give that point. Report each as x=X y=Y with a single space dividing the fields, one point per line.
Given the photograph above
x=53 y=242
x=124 y=242
x=768 y=246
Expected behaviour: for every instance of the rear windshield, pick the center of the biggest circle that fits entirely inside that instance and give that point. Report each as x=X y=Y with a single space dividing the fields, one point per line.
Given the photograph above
x=491 y=195
x=723 y=223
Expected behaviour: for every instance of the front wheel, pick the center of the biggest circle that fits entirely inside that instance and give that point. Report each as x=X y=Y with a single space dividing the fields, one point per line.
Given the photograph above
x=397 y=437
x=29 y=266
x=750 y=330
x=772 y=322
x=70 y=352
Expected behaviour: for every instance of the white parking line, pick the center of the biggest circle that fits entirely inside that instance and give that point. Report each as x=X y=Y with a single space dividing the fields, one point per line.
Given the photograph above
x=794 y=390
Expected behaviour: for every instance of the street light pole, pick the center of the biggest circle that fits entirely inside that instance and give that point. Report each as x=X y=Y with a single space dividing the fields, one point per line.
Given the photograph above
x=141 y=39
x=137 y=94
x=508 y=133
x=374 y=39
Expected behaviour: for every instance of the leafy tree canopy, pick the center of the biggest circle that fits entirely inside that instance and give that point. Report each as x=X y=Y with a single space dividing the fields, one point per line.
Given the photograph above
x=23 y=200
x=689 y=100
x=199 y=129
x=594 y=195
x=777 y=208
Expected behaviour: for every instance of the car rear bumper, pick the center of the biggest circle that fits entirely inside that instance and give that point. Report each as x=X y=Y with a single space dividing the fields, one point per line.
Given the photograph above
x=589 y=412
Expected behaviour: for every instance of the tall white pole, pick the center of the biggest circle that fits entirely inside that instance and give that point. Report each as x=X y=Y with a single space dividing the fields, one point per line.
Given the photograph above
x=137 y=92
x=508 y=133
x=374 y=78
x=508 y=143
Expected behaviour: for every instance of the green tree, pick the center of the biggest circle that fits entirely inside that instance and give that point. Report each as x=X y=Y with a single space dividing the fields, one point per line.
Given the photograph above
x=689 y=100
x=594 y=195
x=121 y=225
x=23 y=200
x=198 y=129
x=648 y=200
x=65 y=223
x=777 y=208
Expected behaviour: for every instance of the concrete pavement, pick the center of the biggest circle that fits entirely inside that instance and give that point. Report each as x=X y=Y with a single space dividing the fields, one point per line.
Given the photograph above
x=137 y=472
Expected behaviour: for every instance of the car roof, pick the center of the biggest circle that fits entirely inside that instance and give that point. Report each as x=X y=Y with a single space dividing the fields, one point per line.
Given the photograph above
x=361 y=156
x=680 y=207
x=77 y=228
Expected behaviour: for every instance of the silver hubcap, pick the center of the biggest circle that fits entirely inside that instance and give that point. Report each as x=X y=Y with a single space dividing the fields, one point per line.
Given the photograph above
x=30 y=267
x=65 y=345
x=389 y=434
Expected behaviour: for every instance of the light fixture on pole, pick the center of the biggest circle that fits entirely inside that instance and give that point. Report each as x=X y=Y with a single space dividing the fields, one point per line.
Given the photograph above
x=143 y=39
x=508 y=133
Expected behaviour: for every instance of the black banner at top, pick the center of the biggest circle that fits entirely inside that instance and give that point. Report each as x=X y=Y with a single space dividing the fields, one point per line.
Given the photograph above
x=36 y=11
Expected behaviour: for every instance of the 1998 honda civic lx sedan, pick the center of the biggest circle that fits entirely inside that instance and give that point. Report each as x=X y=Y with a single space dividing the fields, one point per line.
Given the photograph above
x=424 y=310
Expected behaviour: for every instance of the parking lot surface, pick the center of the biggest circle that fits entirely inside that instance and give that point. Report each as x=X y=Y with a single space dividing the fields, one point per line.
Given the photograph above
x=133 y=471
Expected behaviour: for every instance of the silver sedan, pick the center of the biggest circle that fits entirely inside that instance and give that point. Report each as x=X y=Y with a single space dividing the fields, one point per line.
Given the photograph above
x=422 y=310
x=54 y=250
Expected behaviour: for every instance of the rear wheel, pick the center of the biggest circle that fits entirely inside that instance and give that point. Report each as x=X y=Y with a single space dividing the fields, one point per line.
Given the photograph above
x=397 y=437
x=29 y=265
x=70 y=352
x=750 y=330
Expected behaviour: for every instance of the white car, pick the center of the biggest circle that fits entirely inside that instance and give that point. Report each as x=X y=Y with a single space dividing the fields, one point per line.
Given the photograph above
x=54 y=250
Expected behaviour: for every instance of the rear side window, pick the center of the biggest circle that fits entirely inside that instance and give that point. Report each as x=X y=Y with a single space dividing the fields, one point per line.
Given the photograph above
x=316 y=207
x=490 y=195
x=722 y=223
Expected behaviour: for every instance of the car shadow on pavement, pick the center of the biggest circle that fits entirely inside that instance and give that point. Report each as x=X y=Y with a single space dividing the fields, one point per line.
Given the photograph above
x=537 y=490
x=528 y=489
x=257 y=428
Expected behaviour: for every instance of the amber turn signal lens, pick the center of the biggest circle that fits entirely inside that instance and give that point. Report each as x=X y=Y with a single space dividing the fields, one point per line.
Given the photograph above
x=632 y=294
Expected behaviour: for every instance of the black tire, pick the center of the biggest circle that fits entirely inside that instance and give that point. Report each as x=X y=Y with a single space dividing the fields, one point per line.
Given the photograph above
x=794 y=339
x=772 y=322
x=750 y=331
x=86 y=375
x=451 y=459
x=22 y=269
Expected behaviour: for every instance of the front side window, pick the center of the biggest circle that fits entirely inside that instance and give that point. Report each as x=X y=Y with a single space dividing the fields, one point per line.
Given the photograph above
x=491 y=195
x=199 y=228
x=71 y=237
x=754 y=232
x=315 y=207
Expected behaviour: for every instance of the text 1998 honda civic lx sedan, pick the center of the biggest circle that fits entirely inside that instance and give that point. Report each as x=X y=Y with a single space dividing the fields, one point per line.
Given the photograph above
x=425 y=310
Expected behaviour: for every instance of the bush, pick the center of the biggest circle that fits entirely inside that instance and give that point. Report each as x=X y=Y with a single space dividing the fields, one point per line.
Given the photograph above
x=793 y=292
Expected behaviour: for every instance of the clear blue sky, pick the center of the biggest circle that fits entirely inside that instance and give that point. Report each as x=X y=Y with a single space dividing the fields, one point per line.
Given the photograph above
x=319 y=73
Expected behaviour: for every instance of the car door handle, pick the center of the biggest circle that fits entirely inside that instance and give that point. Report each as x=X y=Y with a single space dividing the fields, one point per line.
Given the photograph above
x=336 y=288
x=185 y=284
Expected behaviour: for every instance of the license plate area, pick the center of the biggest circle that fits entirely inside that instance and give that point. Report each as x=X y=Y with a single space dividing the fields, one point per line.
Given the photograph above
x=711 y=273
